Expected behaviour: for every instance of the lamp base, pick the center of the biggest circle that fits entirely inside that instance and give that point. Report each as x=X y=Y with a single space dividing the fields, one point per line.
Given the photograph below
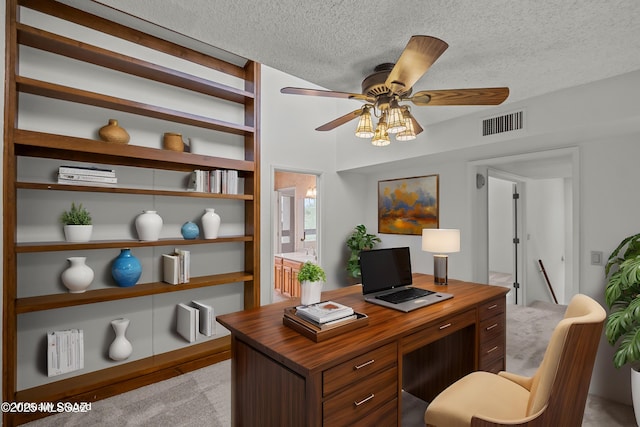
x=440 y=267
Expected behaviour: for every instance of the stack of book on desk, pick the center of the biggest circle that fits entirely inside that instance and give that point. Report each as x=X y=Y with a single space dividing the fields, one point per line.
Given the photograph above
x=323 y=320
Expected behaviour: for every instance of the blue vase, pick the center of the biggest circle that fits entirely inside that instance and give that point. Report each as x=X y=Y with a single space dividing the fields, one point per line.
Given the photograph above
x=190 y=230
x=126 y=269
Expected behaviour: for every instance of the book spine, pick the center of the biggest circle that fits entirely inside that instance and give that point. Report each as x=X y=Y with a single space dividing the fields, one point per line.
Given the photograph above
x=88 y=178
x=110 y=173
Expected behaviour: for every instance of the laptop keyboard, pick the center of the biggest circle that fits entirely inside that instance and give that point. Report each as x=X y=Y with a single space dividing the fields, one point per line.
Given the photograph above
x=404 y=295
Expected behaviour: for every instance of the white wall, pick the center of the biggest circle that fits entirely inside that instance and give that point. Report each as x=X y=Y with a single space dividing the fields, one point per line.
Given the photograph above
x=290 y=142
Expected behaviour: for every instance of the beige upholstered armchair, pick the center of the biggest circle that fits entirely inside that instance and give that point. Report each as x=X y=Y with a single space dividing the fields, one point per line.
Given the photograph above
x=554 y=396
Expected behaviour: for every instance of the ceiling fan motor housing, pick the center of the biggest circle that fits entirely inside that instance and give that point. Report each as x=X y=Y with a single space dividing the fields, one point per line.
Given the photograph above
x=374 y=84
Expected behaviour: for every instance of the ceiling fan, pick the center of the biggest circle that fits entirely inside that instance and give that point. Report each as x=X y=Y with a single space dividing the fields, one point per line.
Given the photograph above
x=390 y=84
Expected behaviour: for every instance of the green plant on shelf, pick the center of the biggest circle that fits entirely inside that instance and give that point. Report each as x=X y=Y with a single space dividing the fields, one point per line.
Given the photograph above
x=77 y=215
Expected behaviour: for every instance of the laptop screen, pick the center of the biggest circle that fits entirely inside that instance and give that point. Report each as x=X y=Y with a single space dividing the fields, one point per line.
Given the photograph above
x=384 y=269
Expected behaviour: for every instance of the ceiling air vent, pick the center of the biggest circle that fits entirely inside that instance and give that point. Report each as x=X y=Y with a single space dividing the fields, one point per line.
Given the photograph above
x=501 y=124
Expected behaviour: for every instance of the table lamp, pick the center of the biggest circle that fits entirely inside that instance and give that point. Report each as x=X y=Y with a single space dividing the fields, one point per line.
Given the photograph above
x=440 y=241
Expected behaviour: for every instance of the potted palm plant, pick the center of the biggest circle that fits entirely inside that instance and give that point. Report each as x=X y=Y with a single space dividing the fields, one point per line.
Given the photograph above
x=77 y=223
x=622 y=296
x=359 y=240
x=311 y=277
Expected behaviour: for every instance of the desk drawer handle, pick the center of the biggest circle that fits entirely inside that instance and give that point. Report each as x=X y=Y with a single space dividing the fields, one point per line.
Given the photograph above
x=492 y=307
x=492 y=350
x=492 y=326
x=365 y=400
x=445 y=326
x=364 y=364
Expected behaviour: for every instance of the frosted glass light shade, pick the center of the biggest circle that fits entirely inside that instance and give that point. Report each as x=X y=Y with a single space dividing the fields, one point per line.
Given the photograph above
x=395 y=121
x=409 y=133
x=441 y=240
x=365 y=127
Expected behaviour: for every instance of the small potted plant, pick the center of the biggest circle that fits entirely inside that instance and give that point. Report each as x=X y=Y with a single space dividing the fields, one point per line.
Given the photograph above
x=77 y=224
x=359 y=240
x=311 y=277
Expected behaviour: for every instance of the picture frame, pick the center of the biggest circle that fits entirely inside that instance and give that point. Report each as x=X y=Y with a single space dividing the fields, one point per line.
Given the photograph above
x=407 y=205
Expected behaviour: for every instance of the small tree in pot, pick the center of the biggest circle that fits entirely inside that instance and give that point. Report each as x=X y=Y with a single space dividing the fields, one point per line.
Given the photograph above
x=77 y=223
x=359 y=240
x=311 y=277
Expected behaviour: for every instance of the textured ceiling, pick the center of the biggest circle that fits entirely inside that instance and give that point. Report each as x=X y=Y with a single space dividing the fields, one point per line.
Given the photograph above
x=533 y=47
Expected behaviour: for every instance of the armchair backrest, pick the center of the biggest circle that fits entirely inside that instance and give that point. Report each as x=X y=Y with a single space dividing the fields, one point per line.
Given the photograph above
x=561 y=383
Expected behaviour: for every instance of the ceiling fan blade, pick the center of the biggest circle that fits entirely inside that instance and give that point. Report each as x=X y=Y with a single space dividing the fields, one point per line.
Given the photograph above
x=419 y=54
x=326 y=93
x=340 y=120
x=480 y=96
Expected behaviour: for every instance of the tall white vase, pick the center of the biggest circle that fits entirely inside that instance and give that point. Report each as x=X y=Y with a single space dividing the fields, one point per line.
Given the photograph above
x=78 y=276
x=635 y=393
x=120 y=348
x=148 y=226
x=210 y=223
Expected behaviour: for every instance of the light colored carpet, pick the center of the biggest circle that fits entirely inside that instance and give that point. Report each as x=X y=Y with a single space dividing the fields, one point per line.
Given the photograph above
x=202 y=397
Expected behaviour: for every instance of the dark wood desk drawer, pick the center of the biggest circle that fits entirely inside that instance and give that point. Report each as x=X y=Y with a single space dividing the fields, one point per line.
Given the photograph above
x=361 y=398
x=359 y=368
x=436 y=331
x=490 y=351
x=493 y=308
x=492 y=328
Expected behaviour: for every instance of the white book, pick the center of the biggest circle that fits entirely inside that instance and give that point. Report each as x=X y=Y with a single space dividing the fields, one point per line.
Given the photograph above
x=207 y=318
x=52 y=355
x=325 y=311
x=188 y=320
x=88 y=178
x=170 y=269
x=87 y=170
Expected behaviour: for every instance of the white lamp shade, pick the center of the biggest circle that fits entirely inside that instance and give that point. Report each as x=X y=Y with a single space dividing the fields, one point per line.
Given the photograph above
x=440 y=240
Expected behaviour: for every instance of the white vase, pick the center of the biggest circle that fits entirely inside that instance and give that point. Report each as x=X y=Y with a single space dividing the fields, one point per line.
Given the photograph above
x=77 y=233
x=635 y=394
x=148 y=226
x=120 y=348
x=310 y=292
x=78 y=276
x=210 y=223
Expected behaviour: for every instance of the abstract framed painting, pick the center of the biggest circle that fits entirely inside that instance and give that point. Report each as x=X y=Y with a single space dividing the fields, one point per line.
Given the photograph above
x=407 y=205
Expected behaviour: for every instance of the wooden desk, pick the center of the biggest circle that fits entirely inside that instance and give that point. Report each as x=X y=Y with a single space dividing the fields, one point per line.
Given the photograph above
x=280 y=378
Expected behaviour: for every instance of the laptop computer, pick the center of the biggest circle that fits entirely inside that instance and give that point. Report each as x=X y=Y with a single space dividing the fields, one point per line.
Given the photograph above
x=386 y=281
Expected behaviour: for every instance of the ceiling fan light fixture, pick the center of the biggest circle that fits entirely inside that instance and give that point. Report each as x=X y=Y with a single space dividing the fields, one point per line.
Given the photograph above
x=409 y=133
x=365 y=127
x=395 y=119
x=381 y=136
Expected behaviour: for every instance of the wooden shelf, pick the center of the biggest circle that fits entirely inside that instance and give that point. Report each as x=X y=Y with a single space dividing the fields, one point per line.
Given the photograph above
x=22 y=144
x=49 y=145
x=131 y=190
x=66 y=93
x=59 y=45
x=98 y=385
x=33 y=247
x=49 y=302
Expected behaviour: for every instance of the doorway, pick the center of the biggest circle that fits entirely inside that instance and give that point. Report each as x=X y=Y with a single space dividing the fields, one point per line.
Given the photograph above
x=548 y=183
x=295 y=230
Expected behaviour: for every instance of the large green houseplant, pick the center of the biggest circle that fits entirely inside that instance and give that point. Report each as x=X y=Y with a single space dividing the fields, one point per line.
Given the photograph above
x=359 y=240
x=622 y=295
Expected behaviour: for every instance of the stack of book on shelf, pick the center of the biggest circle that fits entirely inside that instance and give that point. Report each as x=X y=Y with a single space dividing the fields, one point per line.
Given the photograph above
x=176 y=267
x=65 y=351
x=193 y=318
x=323 y=320
x=79 y=175
x=219 y=181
